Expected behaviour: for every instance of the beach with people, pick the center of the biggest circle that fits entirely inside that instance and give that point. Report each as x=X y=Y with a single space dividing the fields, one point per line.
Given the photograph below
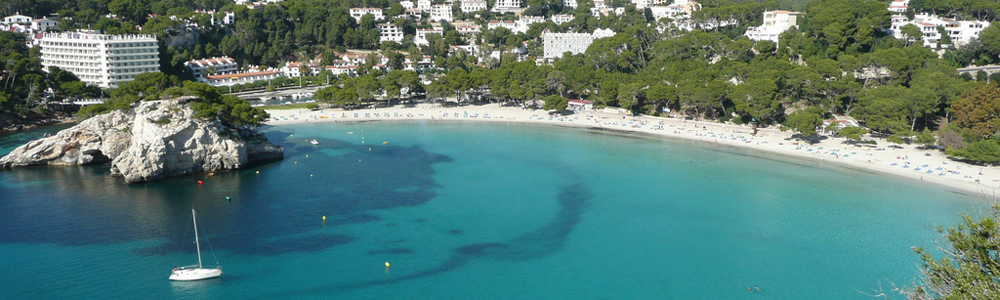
x=931 y=166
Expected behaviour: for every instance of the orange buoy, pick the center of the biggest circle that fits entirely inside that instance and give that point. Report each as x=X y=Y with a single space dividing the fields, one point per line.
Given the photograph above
x=200 y=182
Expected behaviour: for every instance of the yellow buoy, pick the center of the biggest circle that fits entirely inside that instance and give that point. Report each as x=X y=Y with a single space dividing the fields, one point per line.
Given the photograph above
x=296 y=162
x=324 y=218
x=386 y=265
x=258 y=172
x=307 y=155
x=310 y=175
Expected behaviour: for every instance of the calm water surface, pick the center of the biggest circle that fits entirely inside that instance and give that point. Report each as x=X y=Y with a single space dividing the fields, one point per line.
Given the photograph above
x=471 y=211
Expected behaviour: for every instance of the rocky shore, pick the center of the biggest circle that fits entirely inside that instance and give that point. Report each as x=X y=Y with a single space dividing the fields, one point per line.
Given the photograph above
x=9 y=122
x=153 y=140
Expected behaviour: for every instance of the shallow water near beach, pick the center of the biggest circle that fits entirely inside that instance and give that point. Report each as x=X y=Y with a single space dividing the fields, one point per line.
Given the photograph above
x=472 y=211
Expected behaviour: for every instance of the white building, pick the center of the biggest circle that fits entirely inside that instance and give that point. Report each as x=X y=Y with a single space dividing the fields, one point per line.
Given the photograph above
x=44 y=24
x=524 y=22
x=222 y=65
x=642 y=4
x=467 y=29
x=473 y=5
x=421 y=38
x=501 y=24
x=359 y=12
x=348 y=70
x=899 y=6
x=507 y=6
x=602 y=12
x=414 y=14
x=559 y=19
x=407 y=4
x=17 y=19
x=960 y=32
x=100 y=59
x=441 y=12
x=775 y=22
x=228 y=18
x=424 y=5
x=355 y=58
x=555 y=44
x=241 y=78
x=294 y=69
x=570 y=3
x=388 y=32
x=679 y=10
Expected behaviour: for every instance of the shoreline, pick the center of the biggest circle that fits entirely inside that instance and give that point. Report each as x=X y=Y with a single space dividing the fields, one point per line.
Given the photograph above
x=906 y=161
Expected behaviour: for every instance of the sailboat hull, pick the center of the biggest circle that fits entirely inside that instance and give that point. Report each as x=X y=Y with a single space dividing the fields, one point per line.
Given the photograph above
x=194 y=274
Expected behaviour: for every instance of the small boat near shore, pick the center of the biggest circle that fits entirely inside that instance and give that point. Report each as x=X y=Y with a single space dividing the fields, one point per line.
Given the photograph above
x=314 y=142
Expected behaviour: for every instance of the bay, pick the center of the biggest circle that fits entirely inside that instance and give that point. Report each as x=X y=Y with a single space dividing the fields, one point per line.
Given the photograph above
x=472 y=210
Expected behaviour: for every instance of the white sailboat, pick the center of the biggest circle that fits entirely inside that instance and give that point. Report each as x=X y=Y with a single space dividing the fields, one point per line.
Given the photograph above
x=195 y=272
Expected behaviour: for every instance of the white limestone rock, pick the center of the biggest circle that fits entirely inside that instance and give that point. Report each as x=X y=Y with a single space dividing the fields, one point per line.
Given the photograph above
x=154 y=140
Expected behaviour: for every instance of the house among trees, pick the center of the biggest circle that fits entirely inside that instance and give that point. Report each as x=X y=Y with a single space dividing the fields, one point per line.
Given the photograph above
x=560 y=19
x=421 y=38
x=775 y=22
x=358 y=12
x=441 y=12
x=389 y=32
x=507 y=6
x=934 y=31
x=17 y=19
x=469 y=6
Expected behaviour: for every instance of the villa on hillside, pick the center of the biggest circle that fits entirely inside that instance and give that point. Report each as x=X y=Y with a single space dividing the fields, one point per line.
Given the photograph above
x=421 y=38
x=507 y=6
x=469 y=6
x=441 y=12
x=388 y=32
x=775 y=22
x=358 y=12
x=960 y=32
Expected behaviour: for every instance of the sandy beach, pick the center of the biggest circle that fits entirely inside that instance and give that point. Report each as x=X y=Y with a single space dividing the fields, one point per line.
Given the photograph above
x=928 y=166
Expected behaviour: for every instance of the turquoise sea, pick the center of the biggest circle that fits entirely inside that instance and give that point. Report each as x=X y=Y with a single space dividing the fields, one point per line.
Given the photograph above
x=472 y=211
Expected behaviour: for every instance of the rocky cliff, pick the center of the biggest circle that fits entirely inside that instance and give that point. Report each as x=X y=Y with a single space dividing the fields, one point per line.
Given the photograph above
x=153 y=140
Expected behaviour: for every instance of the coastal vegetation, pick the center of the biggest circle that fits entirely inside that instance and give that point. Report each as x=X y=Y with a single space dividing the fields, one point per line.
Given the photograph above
x=229 y=109
x=840 y=61
x=969 y=269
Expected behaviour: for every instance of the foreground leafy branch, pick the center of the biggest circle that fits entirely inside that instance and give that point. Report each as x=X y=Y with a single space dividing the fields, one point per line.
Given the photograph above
x=970 y=268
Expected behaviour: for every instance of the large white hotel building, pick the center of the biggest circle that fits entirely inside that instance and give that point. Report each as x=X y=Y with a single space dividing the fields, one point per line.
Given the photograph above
x=101 y=59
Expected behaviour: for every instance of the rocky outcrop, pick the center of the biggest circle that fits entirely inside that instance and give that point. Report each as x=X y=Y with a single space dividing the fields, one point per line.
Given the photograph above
x=154 y=140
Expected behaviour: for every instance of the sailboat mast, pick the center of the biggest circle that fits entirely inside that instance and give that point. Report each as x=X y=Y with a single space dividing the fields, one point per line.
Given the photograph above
x=196 y=245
